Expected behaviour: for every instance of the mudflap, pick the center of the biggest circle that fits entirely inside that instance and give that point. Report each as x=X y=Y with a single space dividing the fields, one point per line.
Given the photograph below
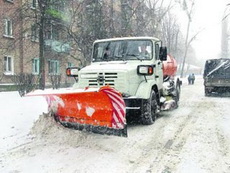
x=94 y=110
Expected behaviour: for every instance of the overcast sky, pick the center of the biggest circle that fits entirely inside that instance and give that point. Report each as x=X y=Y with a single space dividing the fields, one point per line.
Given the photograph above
x=207 y=19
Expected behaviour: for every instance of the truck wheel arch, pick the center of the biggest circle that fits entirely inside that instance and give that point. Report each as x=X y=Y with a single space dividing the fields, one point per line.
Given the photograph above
x=145 y=88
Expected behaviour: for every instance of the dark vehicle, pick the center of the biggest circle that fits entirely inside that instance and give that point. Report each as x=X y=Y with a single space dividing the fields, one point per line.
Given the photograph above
x=217 y=76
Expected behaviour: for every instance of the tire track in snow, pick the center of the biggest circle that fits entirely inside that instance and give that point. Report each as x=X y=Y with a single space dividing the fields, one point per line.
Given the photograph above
x=223 y=142
x=167 y=157
x=175 y=122
x=202 y=146
x=224 y=151
x=154 y=156
x=171 y=156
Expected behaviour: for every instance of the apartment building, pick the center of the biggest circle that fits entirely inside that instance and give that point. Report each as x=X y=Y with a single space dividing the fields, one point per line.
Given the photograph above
x=19 y=43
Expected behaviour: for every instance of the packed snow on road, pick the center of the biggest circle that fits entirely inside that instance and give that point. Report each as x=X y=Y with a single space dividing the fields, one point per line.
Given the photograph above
x=193 y=138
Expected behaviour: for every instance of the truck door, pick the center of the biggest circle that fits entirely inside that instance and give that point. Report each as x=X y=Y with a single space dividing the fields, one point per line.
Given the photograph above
x=158 y=66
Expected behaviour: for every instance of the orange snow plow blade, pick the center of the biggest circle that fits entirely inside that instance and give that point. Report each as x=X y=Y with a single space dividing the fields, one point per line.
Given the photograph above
x=100 y=111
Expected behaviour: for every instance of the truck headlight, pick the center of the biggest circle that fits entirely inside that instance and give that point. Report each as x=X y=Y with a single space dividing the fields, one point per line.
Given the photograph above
x=72 y=71
x=145 y=70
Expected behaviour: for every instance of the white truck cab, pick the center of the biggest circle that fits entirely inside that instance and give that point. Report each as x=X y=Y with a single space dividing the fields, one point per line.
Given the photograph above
x=131 y=65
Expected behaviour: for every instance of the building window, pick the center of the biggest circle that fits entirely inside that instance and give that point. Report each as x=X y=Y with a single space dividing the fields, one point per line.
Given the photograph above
x=70 y=64
x=52 y=32
x=48 y=33
x=8 y=27
x=8 y=65
x=53 y=67
x=34 y=33
x=35 y=66
x=34 y=4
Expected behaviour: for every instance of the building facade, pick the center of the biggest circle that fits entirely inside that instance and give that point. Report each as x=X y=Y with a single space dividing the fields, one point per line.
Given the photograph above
x=19 y=43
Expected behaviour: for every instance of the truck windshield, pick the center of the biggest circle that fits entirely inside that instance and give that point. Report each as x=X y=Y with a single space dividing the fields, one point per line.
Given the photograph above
x=122 y=50
x=217 y=68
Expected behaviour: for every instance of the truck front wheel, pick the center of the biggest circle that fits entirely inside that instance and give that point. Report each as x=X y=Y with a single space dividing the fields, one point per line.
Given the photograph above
x=149 y=110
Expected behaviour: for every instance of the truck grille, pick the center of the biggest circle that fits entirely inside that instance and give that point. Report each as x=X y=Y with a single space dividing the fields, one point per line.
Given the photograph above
x=104 y=79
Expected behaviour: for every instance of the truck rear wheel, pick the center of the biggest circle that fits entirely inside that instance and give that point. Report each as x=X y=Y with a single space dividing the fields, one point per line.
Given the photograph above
x=149 y=110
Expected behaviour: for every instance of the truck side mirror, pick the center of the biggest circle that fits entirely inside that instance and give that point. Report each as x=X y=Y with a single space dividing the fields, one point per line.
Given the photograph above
x=163 y=53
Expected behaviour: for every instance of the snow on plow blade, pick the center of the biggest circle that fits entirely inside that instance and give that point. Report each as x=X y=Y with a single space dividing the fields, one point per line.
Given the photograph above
x=96 y=110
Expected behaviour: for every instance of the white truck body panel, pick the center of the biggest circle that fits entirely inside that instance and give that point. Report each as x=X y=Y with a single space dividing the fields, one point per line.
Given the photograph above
x=122 y=75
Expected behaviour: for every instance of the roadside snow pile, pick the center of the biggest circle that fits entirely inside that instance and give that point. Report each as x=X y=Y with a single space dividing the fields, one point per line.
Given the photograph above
x=50 y=131
x=44 y=126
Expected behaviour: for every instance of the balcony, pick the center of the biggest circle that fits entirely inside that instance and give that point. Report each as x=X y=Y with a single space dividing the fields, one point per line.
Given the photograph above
x=57 y=46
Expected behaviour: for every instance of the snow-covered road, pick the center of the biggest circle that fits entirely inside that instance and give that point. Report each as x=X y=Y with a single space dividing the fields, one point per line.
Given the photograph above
x=193 y=138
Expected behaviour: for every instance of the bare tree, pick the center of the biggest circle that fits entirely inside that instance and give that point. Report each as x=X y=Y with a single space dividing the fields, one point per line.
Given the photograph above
x=41 y=22
x=189 y=12
x=96 y=19
x=157 y=10
x=170 y=33
x=86 y=25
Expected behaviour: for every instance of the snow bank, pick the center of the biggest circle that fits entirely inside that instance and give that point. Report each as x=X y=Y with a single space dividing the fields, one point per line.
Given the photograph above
x=46 y=128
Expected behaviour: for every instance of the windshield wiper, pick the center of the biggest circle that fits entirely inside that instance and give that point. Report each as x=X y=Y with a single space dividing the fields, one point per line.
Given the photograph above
x=117 y=57
x=134 y=55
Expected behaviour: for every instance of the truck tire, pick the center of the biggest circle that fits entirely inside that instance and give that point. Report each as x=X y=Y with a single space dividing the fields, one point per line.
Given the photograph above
x=149 y=110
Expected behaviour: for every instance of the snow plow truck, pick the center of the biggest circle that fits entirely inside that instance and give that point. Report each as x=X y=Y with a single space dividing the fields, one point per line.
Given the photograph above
x=130 y=76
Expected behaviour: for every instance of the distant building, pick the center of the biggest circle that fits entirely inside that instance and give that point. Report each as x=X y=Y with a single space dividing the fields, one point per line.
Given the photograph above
x=19 y=43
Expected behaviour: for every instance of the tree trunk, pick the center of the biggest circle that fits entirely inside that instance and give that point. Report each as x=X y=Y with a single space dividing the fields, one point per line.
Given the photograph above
x=41 y=50
x=186 y=49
